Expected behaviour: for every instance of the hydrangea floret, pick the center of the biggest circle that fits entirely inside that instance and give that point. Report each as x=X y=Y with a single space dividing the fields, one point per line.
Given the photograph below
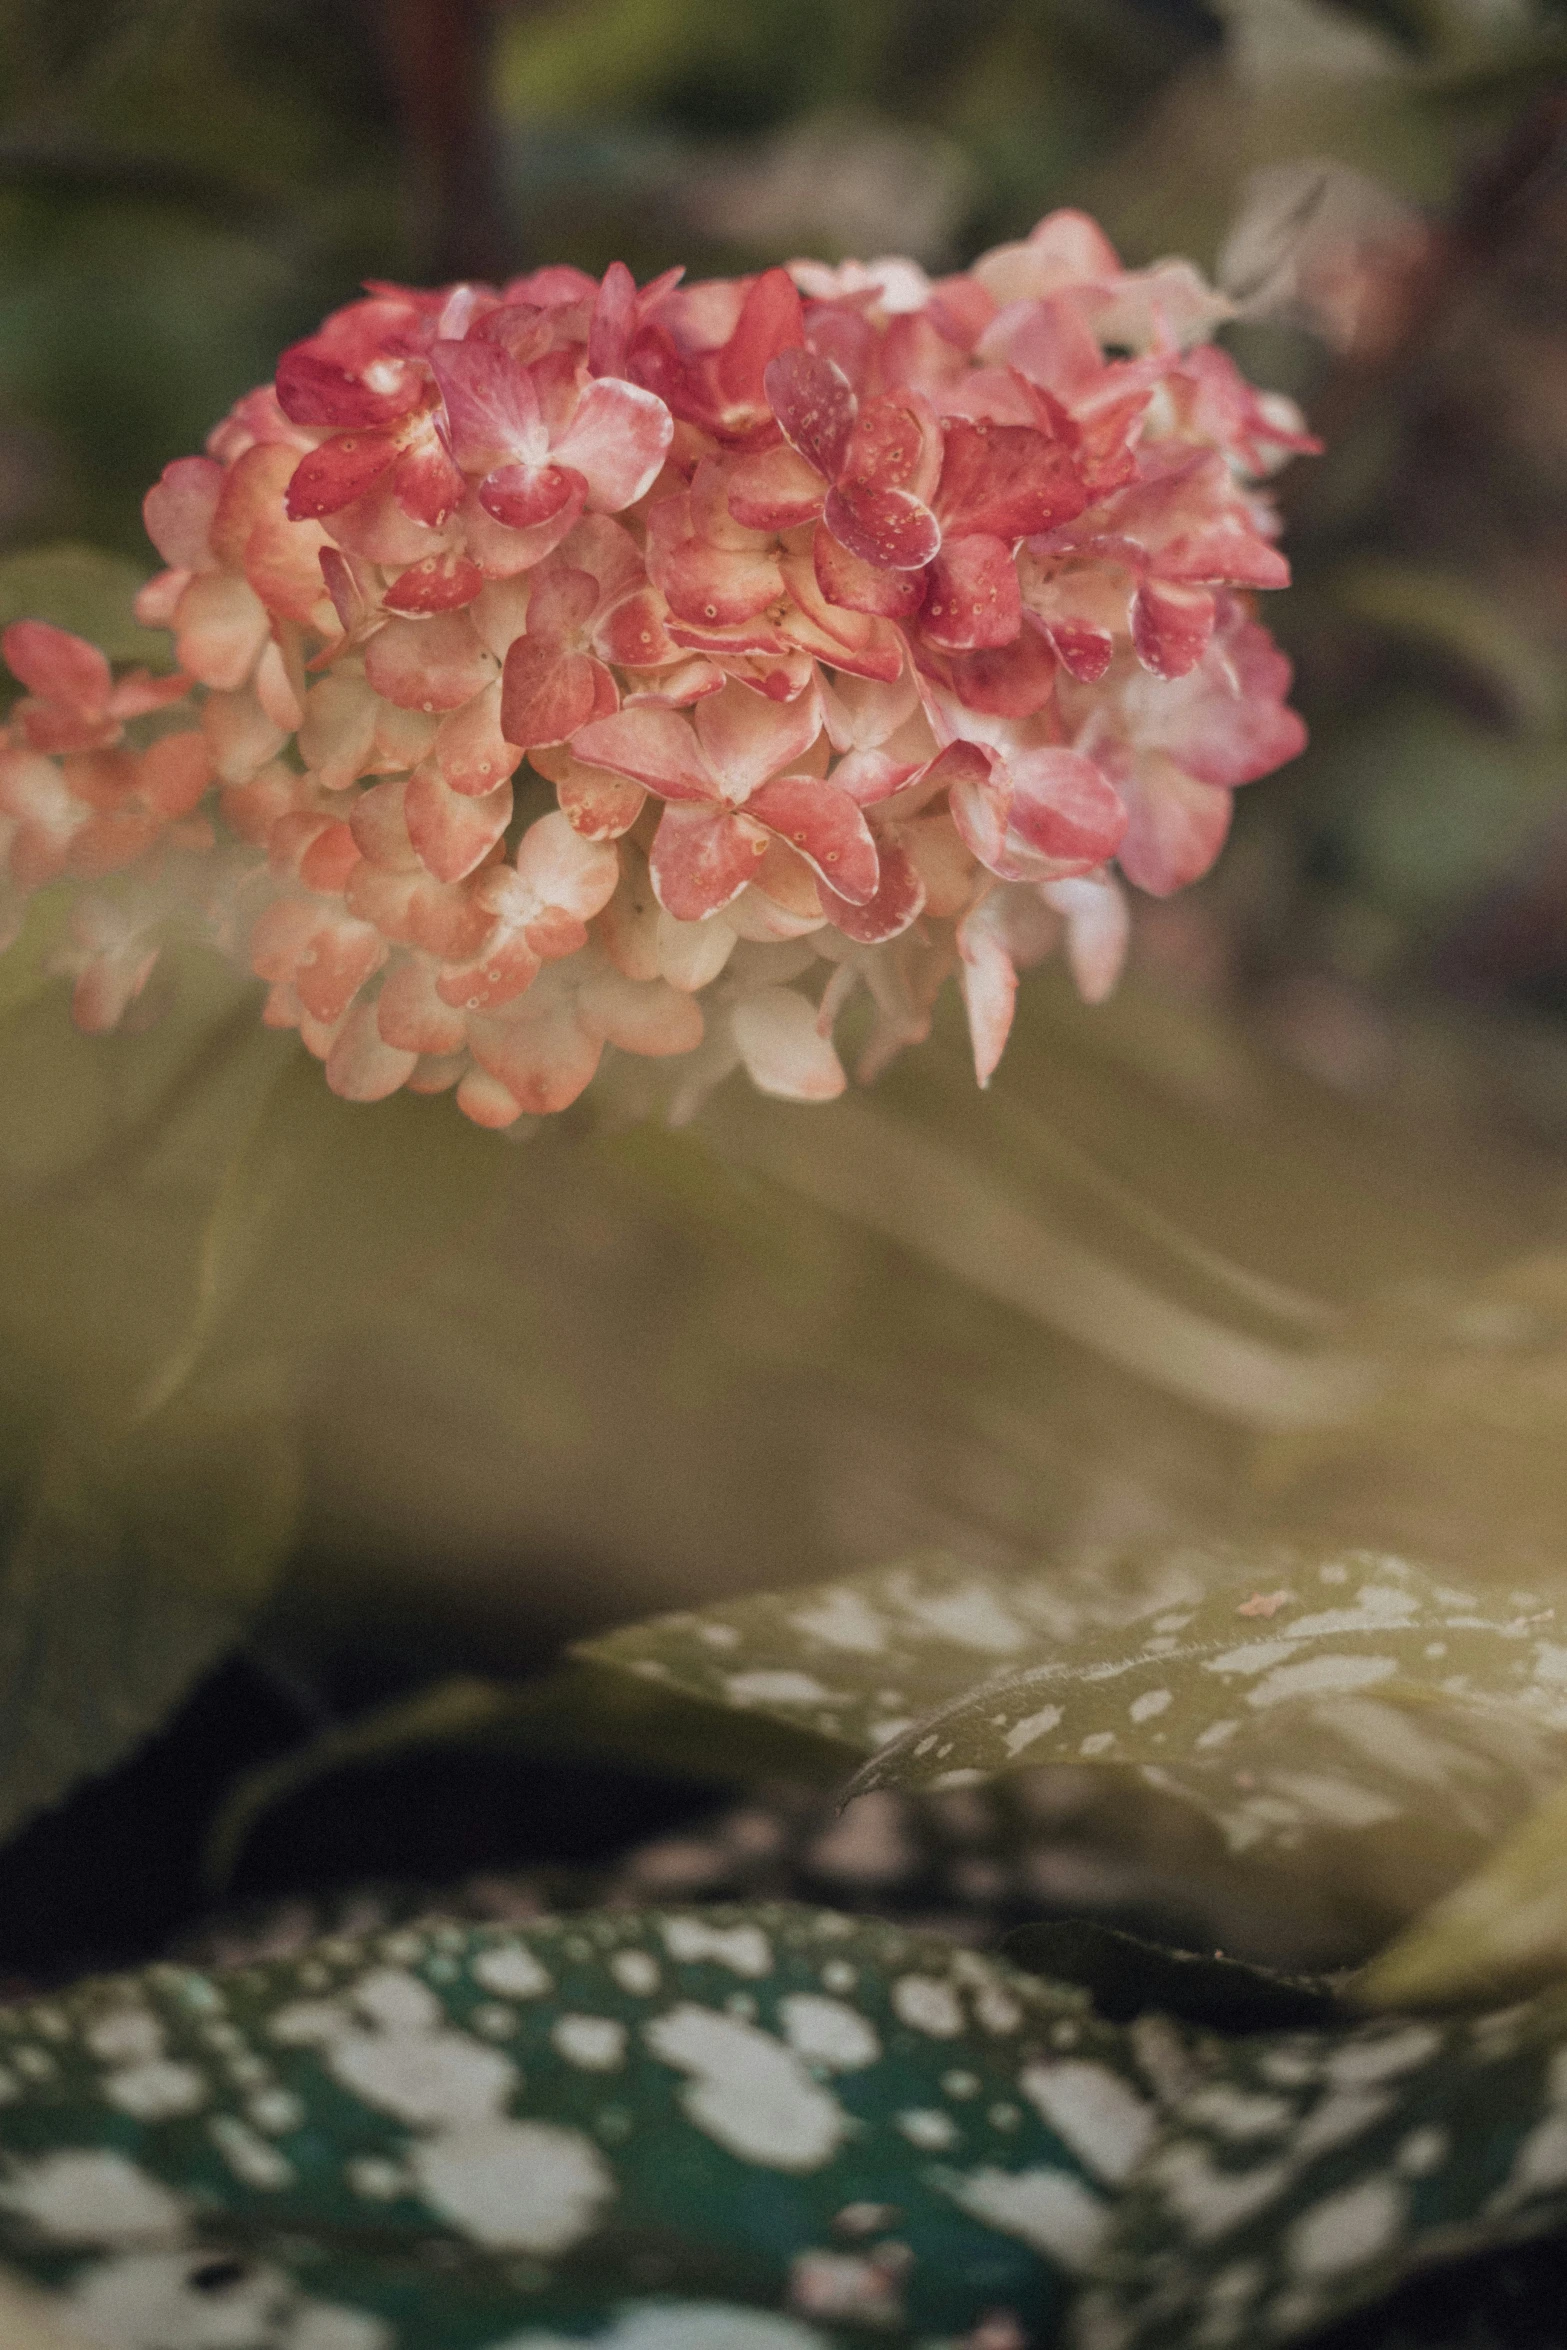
x=571 y=666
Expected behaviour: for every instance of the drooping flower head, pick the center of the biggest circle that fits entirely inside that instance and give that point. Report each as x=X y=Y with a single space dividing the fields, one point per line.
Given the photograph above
x=566 y=666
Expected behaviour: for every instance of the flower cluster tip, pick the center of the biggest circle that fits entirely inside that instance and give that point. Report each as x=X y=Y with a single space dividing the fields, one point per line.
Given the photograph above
x=567 y=666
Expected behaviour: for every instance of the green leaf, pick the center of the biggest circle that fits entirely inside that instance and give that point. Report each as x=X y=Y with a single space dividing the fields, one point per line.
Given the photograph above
x=1127 y=1977
x=581 y=1711
x=1310 y=2173
x=87 y=591
x=1504 y=1930
x=1277 y=1716
x=137 y=1561
x=1274 y=1702
x=856 y=1662
x=443 y=2133
x=1457 y=616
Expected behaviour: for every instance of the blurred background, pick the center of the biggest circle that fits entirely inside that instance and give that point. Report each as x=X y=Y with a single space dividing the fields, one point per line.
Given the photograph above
x=529 y=1392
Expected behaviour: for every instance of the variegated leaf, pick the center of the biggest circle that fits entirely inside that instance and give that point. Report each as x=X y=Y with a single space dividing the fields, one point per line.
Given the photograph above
x=458 y=2136
x=1272 y=1686
x=1278 y=1670
x=1311 y=2172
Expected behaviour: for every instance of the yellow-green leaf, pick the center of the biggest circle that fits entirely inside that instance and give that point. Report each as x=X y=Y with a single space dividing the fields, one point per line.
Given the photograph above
x=1502 y=1931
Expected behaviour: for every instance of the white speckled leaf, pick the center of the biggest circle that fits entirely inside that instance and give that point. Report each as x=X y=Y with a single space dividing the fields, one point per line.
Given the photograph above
x=1311 y=2172
x=856 y=1662
x=435 y=2137
x=1503 y=1931
x=1268 y=1685
x=1271 y=1700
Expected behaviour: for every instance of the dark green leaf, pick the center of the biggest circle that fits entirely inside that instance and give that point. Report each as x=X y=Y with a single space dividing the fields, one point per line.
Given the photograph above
x=1127 y=1977
x=1311 y=2172
x=137 y=1562
x=444 y=2133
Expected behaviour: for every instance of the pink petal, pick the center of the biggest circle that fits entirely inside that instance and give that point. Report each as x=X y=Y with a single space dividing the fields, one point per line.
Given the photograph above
x=156 y=600
x=434 y=664
x=337 y=736
x=826 y=827
x=139 y=691
x=652 y=746
x=858 y=586
x=1194 y=523
x=771 y=320
x=221 y=626
x=178 y=511
x=1005 y=479
x=173 y=774
x=815 y=406
x=1098 y=929
x=362 y=1066
x=274 y=688
x=972 y=601
x=241 y=736
x=978 y=795
x=469 y=748
x=409 y=1013
x=452 y=831
x=702 y=858
x=313 y=390
x=507 y=969
x=427 y=485
x=746 y=737
x=486 y=1101
x=598 y=805
x=492 y=406
x=523 y=497
x=1171 y=626
x=783 y=1049
x=1084 y=652
x=330 y=858
x=254 y=488
x=283 y=565
x=898 y=901
x=889 y=528
x=989 y=983
x=337 y=473
x=633 y=633
x=438 y=583
x=774 y=489
x=719 y=586
x=617 y=440
x=563 y=870
x=1226 y=723
x=869 y=776
x=641 y=1017
x=57 y=666
x=560 y=607
x=896 y=446
x=1006 y=681
x=545 y=695
x=539 y=1051
x=1176 y=826
x=614 y=315
x=858 y=642
x=1065 y=808
x=341 y=956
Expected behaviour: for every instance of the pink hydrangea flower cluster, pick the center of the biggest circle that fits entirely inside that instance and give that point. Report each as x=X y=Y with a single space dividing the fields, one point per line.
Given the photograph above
x=855 y=629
